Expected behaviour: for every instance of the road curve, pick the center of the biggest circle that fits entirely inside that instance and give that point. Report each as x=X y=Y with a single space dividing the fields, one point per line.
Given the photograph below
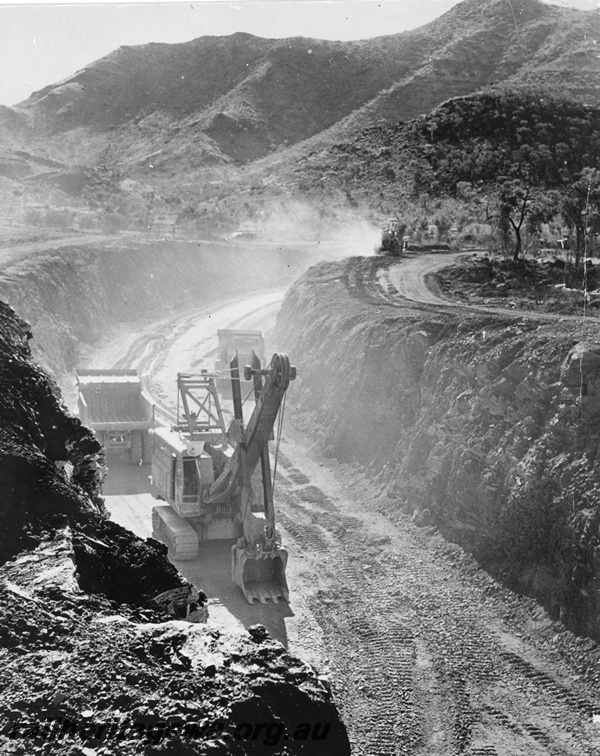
x=406 y=280
x=409 y=278
x=182 y=343
x=11 y=251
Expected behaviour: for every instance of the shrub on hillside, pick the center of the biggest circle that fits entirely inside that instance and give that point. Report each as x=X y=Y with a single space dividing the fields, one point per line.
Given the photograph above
x=112 y=223
x=59 y=218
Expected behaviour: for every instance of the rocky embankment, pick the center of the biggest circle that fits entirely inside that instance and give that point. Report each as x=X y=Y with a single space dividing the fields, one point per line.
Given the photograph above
x=90 y=663
x=84 y=675
x=481 y=425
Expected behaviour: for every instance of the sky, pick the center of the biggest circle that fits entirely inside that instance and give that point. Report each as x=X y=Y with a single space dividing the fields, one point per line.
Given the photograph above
x=44 y=43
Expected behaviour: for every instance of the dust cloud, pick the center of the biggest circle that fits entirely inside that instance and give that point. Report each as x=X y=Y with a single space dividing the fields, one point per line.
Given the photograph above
x=326 y=232
x=360 y=237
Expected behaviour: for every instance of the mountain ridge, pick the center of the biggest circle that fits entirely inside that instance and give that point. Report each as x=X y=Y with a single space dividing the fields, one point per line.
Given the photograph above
x=170 y=114
x=187 y=78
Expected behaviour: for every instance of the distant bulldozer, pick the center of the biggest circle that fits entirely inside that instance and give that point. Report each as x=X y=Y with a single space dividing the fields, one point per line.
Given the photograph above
x=392 y=238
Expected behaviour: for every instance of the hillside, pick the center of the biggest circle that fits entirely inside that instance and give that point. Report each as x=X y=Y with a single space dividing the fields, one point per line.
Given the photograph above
x=187 y=122
x=527 y=155
x=476 y=44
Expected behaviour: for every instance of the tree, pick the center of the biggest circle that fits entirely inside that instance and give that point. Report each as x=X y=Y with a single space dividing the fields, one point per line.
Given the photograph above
x=518 y=207
x=579 y=204
x=535 y=152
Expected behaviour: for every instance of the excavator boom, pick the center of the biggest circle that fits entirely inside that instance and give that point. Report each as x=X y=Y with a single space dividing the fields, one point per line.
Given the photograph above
x=258 y=560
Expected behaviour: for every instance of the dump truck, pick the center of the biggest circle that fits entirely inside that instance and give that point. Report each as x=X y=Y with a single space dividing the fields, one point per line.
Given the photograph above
x=119 y=410
x=211 y=481
x=242 y=342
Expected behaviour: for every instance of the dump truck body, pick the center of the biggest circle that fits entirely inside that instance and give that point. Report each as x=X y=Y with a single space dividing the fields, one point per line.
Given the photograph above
x=116 y=406
x=240 y=342
x=244 y=342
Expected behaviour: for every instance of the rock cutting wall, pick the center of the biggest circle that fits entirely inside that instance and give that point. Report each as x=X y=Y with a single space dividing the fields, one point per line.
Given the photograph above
x=73 y=295
x=484 y=426
x=37 y=440
x=51 y=469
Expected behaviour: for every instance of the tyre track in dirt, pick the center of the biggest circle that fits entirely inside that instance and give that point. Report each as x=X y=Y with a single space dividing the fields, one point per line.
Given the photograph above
x=418 y=651
x=378 y=657
x=410 y=282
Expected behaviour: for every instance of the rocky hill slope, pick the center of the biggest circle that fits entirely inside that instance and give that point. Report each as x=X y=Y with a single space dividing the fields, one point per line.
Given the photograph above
x=465 y=148
x=162 y=112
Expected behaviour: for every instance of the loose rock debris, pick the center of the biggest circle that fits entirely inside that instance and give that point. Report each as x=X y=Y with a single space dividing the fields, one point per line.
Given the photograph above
x=81 y=671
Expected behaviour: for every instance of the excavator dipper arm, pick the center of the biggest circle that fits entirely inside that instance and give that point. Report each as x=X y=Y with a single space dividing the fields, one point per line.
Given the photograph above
x=258 y=561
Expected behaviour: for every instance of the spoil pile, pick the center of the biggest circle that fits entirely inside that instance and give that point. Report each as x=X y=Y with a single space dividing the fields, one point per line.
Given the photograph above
x=82 y=674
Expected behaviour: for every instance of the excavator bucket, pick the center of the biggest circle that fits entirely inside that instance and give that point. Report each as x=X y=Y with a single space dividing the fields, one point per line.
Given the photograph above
x=262 y=576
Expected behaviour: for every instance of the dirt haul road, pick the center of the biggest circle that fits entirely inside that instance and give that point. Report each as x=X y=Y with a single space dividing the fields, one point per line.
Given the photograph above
x=181 y=344
x=12 y=250
x=425 y=652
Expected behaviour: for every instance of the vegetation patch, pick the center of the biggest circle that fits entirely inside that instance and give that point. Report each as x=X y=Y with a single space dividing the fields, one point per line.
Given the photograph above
x=546 y=284
x=527 y=157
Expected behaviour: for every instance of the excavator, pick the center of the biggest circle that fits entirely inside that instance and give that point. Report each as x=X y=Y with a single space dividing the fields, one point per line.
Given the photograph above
x=211 y=480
